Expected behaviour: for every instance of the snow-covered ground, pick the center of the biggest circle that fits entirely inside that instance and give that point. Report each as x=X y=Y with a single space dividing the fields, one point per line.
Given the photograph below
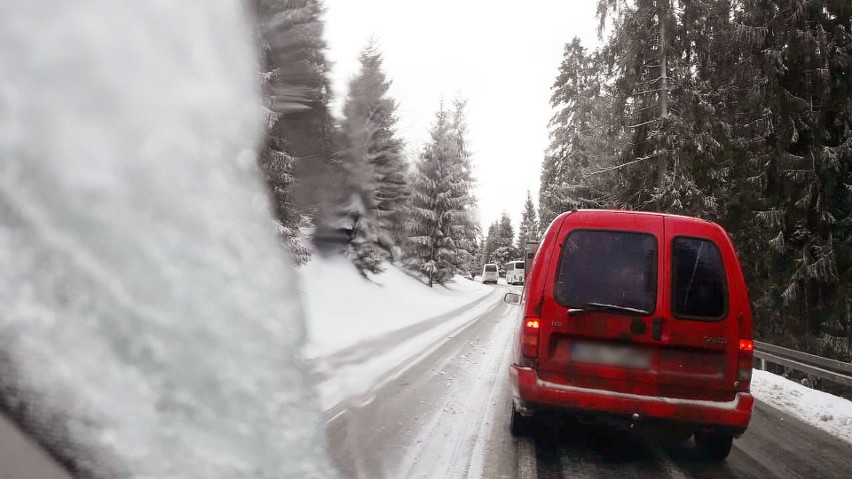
x=362 y=333
x=344 y=309
x=825 y=411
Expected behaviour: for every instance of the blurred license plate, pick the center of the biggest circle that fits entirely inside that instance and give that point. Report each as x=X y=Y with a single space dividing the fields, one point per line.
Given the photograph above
x=610 y=355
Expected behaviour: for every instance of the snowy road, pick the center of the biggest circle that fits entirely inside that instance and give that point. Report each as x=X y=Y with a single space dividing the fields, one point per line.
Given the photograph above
x=446 y=416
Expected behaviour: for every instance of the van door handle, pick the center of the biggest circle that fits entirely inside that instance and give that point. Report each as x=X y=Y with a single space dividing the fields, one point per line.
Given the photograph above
x=657 y=328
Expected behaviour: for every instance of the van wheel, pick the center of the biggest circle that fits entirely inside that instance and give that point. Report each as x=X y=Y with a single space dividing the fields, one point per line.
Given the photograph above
x=519 y=425
x=714 y=445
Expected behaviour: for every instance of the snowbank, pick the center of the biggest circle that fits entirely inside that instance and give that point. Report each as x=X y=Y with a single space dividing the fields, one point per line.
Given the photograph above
x=344 y=309
x=362 y=334
x=825 y=411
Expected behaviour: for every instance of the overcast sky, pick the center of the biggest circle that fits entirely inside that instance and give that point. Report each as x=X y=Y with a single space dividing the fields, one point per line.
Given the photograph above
x=501 y=56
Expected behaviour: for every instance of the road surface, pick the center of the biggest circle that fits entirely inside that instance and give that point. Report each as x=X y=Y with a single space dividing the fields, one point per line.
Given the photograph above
x=447 y=416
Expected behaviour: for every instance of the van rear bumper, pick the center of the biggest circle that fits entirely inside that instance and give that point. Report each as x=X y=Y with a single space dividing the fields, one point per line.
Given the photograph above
x=531 y=393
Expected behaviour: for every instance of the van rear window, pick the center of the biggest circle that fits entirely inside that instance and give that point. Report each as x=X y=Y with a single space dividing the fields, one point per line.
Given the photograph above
x=490 y=268
x=698 y=276
x=617 y=268
x=519 y=265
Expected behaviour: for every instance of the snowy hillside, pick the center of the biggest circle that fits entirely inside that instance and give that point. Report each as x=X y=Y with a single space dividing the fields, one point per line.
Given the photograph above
x=343 y=308
x=359 y=331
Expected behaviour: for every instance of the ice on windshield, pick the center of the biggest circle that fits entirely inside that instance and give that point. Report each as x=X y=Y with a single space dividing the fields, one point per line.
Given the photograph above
x=149 y=317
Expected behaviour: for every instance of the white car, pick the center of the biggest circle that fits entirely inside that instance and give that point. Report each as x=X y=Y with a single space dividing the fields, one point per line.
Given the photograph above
x=489 y=273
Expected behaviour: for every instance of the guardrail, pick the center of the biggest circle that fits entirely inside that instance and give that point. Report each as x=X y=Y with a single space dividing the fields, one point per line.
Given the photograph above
x=835 y=371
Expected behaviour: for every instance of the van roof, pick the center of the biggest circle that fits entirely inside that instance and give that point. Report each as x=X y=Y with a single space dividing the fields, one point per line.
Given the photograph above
x=631 y=212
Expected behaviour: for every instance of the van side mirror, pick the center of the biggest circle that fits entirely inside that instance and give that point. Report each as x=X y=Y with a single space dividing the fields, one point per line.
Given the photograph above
x=512 y=298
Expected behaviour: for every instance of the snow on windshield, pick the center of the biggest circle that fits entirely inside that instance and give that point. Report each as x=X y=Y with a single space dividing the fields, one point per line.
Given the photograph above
x=149 y=320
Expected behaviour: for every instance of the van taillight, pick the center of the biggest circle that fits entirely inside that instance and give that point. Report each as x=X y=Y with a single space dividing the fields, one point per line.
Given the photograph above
x=529 y=338
x=744 y=364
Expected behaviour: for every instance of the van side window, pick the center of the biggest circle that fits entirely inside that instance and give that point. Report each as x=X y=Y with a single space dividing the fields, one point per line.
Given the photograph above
x=698 y=276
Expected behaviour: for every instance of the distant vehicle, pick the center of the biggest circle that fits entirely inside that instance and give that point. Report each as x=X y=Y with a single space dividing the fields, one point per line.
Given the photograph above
x=531 y=248
x=515 y=272
x=489 y=273
x=636 y=318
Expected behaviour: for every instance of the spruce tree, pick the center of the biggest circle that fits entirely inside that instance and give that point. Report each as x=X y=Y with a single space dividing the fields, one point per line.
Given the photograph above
x=503 y=242
x=505 y=232
x=802 y=113
x=299 y=158
x=528 y=230
x=466 y=226
x=279 y=23
x=439 y=217
x=373 y=153
x=300 y=89
x=490 y=243
x=583 y=140
x=660 y=100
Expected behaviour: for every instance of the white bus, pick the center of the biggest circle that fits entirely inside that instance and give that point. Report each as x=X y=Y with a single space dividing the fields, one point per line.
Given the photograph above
x=515 y=272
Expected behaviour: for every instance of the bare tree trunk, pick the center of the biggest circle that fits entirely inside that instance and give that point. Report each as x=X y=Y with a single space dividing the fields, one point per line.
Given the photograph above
x=662 y=160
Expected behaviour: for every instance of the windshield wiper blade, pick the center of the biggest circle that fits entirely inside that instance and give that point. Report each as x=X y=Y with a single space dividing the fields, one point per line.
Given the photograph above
x=607 y=307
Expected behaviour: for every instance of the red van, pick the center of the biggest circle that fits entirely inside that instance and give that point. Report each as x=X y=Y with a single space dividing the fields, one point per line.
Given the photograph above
x=634 y=318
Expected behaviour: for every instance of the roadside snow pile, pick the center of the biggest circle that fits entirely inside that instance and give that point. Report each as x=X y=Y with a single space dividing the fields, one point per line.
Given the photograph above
x=362 y=334
x=344 y=309
x=825 y=411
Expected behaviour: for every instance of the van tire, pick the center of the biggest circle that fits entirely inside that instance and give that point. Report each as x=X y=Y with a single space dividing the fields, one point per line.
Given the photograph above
x=714 y=445
x=519 y=425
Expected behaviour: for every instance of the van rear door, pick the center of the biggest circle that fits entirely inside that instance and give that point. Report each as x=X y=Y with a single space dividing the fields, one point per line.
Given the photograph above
x=700 y=331
x=602 y=294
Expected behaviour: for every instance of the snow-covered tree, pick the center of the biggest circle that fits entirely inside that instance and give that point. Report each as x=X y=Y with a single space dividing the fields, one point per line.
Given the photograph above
x=528 y=229
x=372 y=156
x=505 y=234
x=583 y=140
x=466 y=229
x=503 y=255
x=801 y=123
x=279 y=23
x=489 y=245
x=439 y=218
x=499 y=245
